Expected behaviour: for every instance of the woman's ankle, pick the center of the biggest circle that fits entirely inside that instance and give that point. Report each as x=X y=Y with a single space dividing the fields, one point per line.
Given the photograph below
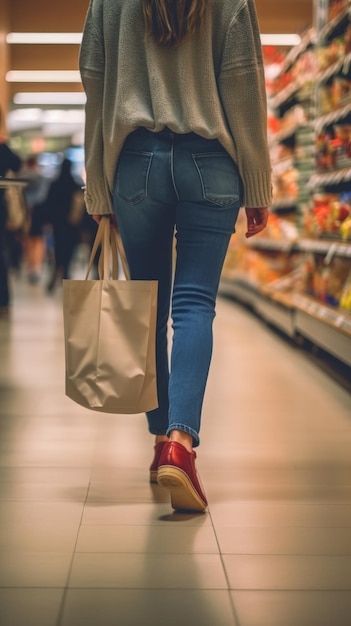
x=160 y=439
x=182 y=437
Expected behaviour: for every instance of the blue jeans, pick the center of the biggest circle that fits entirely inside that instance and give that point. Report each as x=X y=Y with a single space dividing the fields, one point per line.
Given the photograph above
x=189 y=185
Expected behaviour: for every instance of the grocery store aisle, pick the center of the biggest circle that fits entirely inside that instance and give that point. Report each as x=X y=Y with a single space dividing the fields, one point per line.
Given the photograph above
x=84 y=538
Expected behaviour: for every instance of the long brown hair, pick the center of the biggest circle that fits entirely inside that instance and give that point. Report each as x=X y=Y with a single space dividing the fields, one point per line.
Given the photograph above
x=168 y=22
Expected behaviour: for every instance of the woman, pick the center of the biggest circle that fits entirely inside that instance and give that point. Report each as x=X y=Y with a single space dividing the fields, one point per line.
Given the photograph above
x=8 y=161
x=176 y=140
x=58 y=207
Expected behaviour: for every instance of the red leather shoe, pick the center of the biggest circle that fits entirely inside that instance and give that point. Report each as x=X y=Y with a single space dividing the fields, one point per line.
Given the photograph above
x=176 y=472
x=155 y=463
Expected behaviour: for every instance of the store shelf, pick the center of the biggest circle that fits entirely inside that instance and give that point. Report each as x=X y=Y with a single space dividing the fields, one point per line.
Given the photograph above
x=279 y=167
x=285 y=95
x=278 y=245
x=333 y=117
x=341 y=66
x=331 y=27
x=285 y=134
x=327 y=247
x=327 y=328
x=296 y=314
x=334 y=317
x=333 y=177
x=307 y=40
x=276 y=311
x=240 y=289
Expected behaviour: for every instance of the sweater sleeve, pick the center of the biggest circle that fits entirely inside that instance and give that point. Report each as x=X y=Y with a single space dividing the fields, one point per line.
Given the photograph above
x=92 y=69
x=243 y=94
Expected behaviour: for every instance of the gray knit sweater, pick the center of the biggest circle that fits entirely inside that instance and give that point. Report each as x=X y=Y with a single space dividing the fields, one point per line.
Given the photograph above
x=212 y=84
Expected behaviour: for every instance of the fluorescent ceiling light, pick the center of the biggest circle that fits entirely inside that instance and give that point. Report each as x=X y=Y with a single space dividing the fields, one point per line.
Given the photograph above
x=43 y=76
x=25 y=115
x=51 y=122
x=281 y=40
x=44 y=38
x=76 y=38
x=70 y=116
x=50 y=97
x=61 y=116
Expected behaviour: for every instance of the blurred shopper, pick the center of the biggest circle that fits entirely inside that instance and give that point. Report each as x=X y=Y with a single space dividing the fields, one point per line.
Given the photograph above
x=61 y=211
x=9 y=161
x=176 y=139
x=35 y=193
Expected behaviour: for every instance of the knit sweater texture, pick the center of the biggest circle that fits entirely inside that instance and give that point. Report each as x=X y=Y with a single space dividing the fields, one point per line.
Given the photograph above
x=212 y=84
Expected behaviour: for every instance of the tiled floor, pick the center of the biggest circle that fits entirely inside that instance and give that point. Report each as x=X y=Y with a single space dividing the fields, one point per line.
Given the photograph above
x=86 y=540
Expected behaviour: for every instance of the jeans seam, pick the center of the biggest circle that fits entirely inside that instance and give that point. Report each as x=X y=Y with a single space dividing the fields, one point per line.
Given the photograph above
x=172 y=169
x=198 y=171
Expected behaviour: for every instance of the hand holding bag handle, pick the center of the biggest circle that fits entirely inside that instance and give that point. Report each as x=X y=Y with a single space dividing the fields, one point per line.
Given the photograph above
x=109 y=238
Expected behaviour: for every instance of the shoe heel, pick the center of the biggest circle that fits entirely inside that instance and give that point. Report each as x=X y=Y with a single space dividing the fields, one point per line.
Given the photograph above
x=183 y=495
x=153 y=476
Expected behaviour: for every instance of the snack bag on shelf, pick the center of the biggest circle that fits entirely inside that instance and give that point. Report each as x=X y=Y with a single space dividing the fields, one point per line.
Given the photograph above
x=345 y=299
x=308 y=273
x=335 y=6
x=345 y=229
x=339 y=272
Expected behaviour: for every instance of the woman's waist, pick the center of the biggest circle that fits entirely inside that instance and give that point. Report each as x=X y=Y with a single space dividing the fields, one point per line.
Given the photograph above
x=168 y=136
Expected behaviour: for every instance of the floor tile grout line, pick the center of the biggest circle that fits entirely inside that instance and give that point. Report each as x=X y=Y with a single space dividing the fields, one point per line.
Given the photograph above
x=230 y=595
x=66 y=587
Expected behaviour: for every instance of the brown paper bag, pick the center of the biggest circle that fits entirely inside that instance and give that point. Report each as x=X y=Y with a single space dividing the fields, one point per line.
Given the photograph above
x=110 y=330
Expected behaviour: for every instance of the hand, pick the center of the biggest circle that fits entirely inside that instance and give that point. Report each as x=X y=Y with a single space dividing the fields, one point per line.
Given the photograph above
x=257 y=219
x=113 y=222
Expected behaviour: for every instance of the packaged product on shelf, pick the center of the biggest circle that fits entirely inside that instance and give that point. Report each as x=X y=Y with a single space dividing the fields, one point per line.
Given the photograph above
x=339 y=271
x=334 y=93
x=308 y=269
x=282 y=228
x=262 y=265
x=348 y=39
x=345 y=229
x=335 y=7
x=285 y=187
x=273 y=60
x=333 y=148
x=326 y=281
x=331 y=215
x=345 y=299
x=343 y=136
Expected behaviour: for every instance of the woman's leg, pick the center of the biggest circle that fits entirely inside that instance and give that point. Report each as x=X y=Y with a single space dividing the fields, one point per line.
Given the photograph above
x=209 y=191
x=144 y=203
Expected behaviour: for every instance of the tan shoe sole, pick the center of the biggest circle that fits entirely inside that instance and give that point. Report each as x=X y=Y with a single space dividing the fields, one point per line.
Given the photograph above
x=184 y=496
x=153 y=476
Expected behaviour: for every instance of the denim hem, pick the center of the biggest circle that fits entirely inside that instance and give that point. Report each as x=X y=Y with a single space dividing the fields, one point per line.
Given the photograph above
x=185 y=429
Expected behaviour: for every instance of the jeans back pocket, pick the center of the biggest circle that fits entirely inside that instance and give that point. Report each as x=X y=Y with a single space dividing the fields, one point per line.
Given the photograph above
x=133 y=175
x=219 y=176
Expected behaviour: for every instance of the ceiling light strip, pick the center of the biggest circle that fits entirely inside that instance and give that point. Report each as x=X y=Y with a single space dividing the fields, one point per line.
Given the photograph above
x=50 y=97
x=43 y=76
x=281 y=40
x=44 y=38
x=288 y=39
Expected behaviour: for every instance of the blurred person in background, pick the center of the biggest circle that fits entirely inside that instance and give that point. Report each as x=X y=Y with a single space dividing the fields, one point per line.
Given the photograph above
x=64 y=210
x=9 y=161
x=176 y=140
x=35 y=194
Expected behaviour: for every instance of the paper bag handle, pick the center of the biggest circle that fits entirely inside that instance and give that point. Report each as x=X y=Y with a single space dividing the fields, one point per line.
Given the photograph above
x=110 y=241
